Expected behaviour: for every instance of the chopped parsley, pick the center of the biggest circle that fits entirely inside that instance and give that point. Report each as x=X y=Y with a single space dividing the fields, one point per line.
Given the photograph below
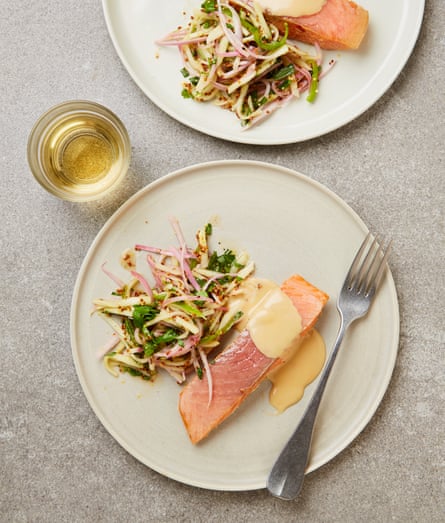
x=222 y=262
x=143 y=313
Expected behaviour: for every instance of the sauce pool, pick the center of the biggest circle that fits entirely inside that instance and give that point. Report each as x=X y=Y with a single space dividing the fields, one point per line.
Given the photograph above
x=301 y=369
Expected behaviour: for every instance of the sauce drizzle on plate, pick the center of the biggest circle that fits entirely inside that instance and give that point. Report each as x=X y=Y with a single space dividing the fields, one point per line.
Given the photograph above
x=303 y=366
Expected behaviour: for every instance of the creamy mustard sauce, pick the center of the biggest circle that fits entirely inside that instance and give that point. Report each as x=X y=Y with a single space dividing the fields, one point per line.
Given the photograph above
x=246 y=297
x=303 y=366
x=274 y=324
x=292 y=7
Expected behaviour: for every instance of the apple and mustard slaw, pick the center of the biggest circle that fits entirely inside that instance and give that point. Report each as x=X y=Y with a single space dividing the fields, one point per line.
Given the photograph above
x=176 y=319
x=235 y=58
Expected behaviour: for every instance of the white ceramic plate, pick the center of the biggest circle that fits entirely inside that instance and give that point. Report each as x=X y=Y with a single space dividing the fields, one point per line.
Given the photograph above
x=357 y=81
x=288 y=223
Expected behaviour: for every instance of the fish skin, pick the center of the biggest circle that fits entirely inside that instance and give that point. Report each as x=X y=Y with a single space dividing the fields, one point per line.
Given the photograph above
x=241 y=367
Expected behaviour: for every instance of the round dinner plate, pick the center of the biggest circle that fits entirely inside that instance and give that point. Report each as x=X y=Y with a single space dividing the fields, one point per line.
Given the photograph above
x=356 y=82
x=288 y=224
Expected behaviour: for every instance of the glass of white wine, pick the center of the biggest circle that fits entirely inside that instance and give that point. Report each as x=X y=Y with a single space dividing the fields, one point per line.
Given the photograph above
x=79 y=150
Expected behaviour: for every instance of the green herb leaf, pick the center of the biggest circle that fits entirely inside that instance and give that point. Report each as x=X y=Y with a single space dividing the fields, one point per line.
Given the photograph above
x=209 y=6
x=284 y=84
x=185 y=93
x=222 y=262
x=129 y=328
x=259 y=40
x=132 y=372
x=188 y=308
x=158 y=342
x=168 y=336
x=149 y=349
x=143 y=313
x=284 y=72
x=257 y=102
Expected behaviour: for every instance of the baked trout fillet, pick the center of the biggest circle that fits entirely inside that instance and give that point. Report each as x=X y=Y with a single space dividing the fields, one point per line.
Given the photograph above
x=340 y=24
x=240 y=368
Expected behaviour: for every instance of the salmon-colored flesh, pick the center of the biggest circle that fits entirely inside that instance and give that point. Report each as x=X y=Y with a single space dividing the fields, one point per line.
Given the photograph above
x=236 y=373
x=341 y=24
x=309 y=301
x=241 y=367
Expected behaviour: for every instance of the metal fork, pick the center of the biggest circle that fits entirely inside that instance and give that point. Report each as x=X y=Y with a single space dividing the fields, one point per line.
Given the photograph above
x=287 y=475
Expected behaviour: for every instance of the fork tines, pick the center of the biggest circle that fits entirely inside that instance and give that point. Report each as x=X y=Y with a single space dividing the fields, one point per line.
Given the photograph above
x=368 y=266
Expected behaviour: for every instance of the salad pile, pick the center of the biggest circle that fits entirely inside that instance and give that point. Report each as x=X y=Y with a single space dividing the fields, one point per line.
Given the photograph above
x=233 y=57
x=173 y=322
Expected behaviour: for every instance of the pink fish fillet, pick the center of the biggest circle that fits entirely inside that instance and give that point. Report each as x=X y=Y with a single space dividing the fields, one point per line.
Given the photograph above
x=341 y=24
x=241 y=367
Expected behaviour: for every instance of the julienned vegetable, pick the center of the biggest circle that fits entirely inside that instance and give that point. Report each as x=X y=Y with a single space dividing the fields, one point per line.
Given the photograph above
x=233 y=57
x=175 y=321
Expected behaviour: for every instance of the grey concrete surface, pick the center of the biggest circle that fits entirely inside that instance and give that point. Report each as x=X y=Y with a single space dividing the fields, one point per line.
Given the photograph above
x=57 y=462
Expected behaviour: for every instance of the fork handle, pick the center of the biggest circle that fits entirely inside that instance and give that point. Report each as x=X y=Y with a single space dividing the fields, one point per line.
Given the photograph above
x=287 y=475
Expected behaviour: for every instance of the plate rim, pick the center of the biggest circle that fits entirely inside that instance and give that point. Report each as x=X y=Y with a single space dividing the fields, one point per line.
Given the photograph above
x=405 y=51
x=143 y=192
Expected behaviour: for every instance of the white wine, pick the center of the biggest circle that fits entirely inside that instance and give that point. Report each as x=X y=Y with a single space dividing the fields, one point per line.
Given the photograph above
x=80 y=154
x=81 y=151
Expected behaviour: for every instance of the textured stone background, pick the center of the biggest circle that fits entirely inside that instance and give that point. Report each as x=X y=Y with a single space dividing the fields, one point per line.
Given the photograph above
x=57 y=462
